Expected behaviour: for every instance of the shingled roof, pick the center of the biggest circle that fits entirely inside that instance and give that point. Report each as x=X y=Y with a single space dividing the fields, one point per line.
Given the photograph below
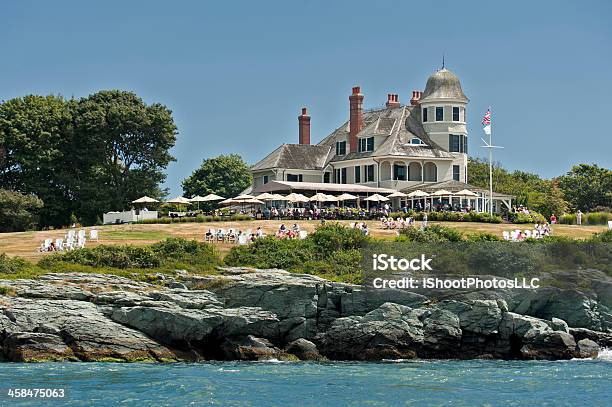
x=401 y=124
x=298 y=156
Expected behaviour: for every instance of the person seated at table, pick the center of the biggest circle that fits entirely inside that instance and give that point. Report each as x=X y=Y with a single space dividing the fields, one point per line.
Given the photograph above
x=209 y=234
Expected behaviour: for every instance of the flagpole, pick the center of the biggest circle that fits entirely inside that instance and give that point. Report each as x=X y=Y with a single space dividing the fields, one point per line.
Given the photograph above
x=490 y=172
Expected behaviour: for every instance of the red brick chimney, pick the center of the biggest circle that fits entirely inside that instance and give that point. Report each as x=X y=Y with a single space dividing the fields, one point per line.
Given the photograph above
x=356 y=117
x=392 y=100
x=304 y=126
x=416 y=97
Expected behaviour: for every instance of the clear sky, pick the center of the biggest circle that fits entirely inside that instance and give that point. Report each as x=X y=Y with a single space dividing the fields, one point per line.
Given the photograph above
x=236 y=73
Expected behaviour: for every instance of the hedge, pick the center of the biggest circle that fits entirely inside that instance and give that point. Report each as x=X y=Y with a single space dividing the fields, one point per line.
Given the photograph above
x=196 y=219
x=592 y=218
x=450 y=216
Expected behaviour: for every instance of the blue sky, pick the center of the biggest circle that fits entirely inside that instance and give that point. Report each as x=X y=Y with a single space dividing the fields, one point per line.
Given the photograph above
x=236 y=73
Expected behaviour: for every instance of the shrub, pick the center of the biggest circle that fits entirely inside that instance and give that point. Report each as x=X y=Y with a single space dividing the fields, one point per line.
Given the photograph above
x=568 y=219
x=430 y=234
x=188 y=251
x=270 y=252
x=597 y=218
x=531 y=217
x=121 y=257
x=483 y=237
x=333 y=236
x=603 y=237
x=451 y=216
x=18 y=212
x=12 y=265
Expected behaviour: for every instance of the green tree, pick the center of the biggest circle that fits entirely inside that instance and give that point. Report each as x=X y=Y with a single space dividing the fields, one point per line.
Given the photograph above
x=121 y=148
x=34 y=133
x=587 y=187
x=226 y=175
x=18 y=212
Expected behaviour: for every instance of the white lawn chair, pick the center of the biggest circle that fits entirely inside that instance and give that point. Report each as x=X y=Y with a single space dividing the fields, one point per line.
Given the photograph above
x=44 y=247
x=610 y=225
x=527 y=233
x=303 y=234
x=93 y=234
x=59 y=244
x=506 y=235
x=71 y=235
x=81 y=243
x=209 y=236
x=81 y=234
x=69 y=244
x=221 y=235
x=231 y=236
x=242 y=239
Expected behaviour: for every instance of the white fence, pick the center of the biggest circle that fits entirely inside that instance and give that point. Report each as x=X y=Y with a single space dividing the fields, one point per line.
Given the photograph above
x=127 y=216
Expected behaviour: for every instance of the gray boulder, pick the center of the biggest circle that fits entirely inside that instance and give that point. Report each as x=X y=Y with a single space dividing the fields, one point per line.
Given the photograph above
x=36 y=347
x=587 y=349
x=304 y=350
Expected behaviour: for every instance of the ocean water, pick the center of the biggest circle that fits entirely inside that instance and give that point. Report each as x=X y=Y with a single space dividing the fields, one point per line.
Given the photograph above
x=409 y=383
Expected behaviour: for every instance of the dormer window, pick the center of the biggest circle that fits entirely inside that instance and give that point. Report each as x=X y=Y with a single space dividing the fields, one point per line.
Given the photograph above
x=439 y=113
x=455 y=113
x=416 y=140
x=366 y=144
x=425 y=115
x=340 y=147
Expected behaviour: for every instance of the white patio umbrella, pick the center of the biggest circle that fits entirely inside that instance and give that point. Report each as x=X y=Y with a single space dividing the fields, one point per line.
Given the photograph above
x=319 y=197
x=466 y=192
x=265 y=197
x=212 y=197
x=377 y=198
x=243 y=197
x=207 y=198
x=179 y=200
x=442 y=192
x=279 y=197
x=331 y=198
x=397 y=194
x=346 y=197
x=417 y=194
x=145 y=199
x=294 y=197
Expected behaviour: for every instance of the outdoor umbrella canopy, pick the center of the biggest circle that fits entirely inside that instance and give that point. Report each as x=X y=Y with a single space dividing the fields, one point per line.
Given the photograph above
x=244 y=197
x=346 y=197
x=279 y=197
x=145 y=199
x=331 y=198
x=253 y=201
x=397 y=194
x=466 y=192
x=319 y=197
x=265 y=197
x=212 y=197
x=442 y=192
x=418 y=194
x=179 y=200
x=376 y=198
x=296 y=198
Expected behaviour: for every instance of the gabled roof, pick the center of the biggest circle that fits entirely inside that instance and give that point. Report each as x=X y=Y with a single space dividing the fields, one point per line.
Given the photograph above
x=298 y=156
x=401 y=124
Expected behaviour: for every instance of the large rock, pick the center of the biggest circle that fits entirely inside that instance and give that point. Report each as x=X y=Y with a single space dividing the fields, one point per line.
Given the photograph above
x=36 y=347
x=587 y=349
x=252 y=348
x=304 y=350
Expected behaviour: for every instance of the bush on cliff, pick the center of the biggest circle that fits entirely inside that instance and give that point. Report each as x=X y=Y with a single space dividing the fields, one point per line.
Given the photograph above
x=430 y=234
x=170 y=253
x=12 y=265
x=332 y=251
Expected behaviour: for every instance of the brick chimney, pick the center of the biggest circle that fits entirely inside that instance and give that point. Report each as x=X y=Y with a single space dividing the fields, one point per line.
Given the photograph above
x=416 y=97
x=304 y=126
x=392 y=100
x=356 y=117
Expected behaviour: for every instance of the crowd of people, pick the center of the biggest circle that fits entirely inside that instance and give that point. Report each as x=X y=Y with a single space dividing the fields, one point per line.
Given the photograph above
x=399 y=223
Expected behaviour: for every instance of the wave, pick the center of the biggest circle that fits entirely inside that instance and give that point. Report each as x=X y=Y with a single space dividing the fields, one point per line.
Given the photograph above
x=605 y=354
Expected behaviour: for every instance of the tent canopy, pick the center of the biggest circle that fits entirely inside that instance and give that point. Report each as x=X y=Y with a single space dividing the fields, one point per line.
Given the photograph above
x=346 y=197
x=376 y=198
x=144 y=199
x=179 y=200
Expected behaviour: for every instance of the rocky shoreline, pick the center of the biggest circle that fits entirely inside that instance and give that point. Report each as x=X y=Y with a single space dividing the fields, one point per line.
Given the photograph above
x=247 y=314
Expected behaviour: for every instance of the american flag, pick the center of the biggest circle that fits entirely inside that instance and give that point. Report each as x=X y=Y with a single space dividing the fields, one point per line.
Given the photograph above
x=486 y=120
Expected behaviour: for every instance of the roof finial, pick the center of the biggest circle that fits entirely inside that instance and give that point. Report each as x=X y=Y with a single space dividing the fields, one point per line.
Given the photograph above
x=442 y=60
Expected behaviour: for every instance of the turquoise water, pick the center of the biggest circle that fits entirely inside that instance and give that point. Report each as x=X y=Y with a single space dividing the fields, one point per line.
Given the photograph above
x=412 y=383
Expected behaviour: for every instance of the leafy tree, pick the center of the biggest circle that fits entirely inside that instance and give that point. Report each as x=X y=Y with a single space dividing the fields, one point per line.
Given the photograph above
x=122 y=146
x=587 y=187
x=34 y=133
x=226 y=175
x=18 y=212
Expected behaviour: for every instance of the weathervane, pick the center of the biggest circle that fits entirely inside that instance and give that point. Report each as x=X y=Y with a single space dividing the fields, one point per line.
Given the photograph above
x=442 y=60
